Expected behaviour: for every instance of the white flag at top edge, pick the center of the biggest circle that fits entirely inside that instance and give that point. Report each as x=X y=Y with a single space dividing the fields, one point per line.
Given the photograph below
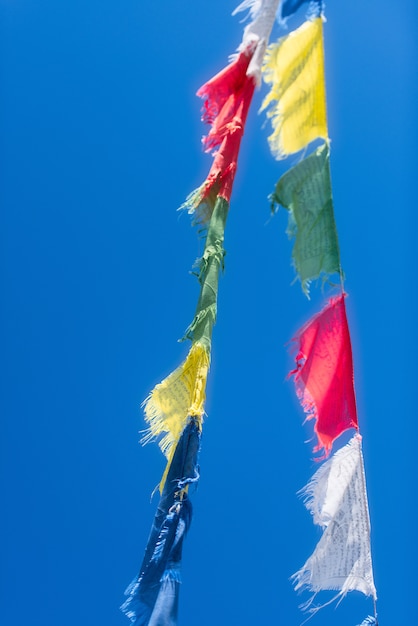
x=257 y=32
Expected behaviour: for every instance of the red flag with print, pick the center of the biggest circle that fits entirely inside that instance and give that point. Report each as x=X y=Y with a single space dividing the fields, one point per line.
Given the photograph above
x=324 y=373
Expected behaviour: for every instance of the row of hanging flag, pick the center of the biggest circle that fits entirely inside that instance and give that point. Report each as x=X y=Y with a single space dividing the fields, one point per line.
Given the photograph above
x=323 y=375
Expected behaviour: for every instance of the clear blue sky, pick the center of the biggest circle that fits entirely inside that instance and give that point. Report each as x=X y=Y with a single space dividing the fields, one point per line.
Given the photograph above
x=99 y=144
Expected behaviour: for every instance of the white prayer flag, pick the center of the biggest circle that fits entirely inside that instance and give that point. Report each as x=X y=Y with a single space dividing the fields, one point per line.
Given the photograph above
x=336 y=497
x=263 y=14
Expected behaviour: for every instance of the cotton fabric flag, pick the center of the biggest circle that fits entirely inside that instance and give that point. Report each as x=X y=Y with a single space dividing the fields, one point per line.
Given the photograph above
x=336 y=497
x=288 y=7
x=172 y=401
x=153 y=595
x=257 y=32
x=227 y=98
x=294 y=67
x=324 y=374
x=305 y=190
x=209 y=268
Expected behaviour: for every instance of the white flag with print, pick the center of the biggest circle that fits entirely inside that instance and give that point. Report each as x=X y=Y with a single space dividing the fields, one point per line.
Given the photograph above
x=336 y=497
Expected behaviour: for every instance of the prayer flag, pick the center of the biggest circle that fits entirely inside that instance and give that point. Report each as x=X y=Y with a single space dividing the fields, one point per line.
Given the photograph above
x=294 y=67
x=153 y=595
x=257 y=32
x=170 y=403
x=227 y=98
x=288 y=7
x=324 y=373
x=209 y=267
x=305 y=190
x=336 y=497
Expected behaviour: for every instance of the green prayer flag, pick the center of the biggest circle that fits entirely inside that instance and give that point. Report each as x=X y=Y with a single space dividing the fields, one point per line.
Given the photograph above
x=305 y=190
x=209 y=267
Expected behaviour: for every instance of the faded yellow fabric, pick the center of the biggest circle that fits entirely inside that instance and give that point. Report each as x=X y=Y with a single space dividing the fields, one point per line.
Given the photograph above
x=294 y=67
x=179 y=395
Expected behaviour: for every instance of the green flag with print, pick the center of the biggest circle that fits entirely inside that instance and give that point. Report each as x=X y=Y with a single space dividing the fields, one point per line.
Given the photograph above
x=305 y=191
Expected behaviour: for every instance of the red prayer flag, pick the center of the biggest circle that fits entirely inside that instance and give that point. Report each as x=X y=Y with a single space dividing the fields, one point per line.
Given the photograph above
x=324 y=373
x=227 y=97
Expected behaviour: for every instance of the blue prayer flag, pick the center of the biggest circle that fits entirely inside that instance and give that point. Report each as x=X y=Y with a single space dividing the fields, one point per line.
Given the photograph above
x=288 y=7
x=153 y=595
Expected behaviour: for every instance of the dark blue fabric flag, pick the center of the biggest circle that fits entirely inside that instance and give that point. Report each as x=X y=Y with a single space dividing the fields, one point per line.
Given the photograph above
x=153 y=594
x=288 y=7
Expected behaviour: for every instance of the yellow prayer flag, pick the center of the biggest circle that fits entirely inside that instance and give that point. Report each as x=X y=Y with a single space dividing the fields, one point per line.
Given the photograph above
x=179 y=395
x=294 y=67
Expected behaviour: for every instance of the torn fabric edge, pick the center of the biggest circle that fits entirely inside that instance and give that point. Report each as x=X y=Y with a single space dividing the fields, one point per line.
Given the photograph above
x=337 y=499
x=152 y=597
x=222 y=96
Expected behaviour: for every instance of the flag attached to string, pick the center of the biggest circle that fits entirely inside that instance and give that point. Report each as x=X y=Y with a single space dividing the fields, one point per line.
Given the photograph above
x=153 y=594
x=294 y=67
x=257 y=33
x=324 y=374
x=209 y=268
x=227 y=98
x=305 y=190
x=336 y=497
x=172 y=401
